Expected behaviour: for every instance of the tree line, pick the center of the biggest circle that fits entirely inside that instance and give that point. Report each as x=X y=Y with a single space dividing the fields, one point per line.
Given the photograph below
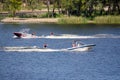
x=85 y=8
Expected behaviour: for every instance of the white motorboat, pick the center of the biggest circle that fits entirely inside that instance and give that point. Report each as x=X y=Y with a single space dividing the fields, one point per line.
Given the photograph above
x=85 y=47
x=24 y=35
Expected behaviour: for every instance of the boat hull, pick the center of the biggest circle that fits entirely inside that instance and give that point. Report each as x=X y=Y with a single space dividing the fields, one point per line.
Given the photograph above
x=82 y=48
x=18 y=34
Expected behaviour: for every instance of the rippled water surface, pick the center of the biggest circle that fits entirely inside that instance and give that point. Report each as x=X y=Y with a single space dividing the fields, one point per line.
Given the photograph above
x=100 y=63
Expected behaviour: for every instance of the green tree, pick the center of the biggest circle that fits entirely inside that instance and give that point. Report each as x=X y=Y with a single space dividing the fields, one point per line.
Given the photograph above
x=48 y=7
x=67 y=6
x=14 y=5
x=56 y=4
x=1 y=6
x=32 y=4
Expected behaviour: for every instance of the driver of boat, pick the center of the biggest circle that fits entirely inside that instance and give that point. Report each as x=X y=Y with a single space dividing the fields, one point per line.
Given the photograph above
x=51 y=34
x=74 y=44
x=45 y=45
x=33 y=33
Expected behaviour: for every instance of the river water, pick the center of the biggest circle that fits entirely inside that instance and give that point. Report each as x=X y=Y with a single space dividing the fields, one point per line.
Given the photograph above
x=100 y=63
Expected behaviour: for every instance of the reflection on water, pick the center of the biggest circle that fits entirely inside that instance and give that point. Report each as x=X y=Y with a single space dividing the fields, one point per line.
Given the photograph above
x=100 y=63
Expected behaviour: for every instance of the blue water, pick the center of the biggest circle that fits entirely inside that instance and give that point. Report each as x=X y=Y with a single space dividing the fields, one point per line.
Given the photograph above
x=100 y=63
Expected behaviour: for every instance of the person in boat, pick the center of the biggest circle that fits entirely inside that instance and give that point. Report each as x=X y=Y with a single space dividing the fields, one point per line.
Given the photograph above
x=33 y=33
x=51 y=34
x=74 y=44
x=45 y=45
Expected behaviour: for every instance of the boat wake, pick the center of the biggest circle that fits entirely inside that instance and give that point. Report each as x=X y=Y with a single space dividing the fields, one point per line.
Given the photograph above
x=106 y=36
x=24 y=33
x=77 y=36
x=69 y=36
x=37 y=49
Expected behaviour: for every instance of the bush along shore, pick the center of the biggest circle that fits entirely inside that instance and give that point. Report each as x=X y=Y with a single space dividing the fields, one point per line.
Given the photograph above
x=96 y=20
x=72 y=20
x=107 y=20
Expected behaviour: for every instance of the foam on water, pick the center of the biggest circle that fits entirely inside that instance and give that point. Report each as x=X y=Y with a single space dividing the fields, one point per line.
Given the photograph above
x=67 y=36
x=70 y=36
x=37 y=49
x=106 y=36
x=78 y=36
x=63 y=36
x=26 y=30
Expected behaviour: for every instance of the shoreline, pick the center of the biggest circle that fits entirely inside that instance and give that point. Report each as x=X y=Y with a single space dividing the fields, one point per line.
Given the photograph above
x=29 y=20
x=35 y=20
x=47 y=20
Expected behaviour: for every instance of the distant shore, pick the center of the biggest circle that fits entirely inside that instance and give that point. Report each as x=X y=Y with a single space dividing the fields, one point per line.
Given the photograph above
x=65 y=20
x=40 y=20
x=30 y=20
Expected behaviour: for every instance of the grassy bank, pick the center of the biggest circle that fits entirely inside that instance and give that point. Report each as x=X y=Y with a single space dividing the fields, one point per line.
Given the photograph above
x=96 y=20
x=72 y=20
x=107 y=20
